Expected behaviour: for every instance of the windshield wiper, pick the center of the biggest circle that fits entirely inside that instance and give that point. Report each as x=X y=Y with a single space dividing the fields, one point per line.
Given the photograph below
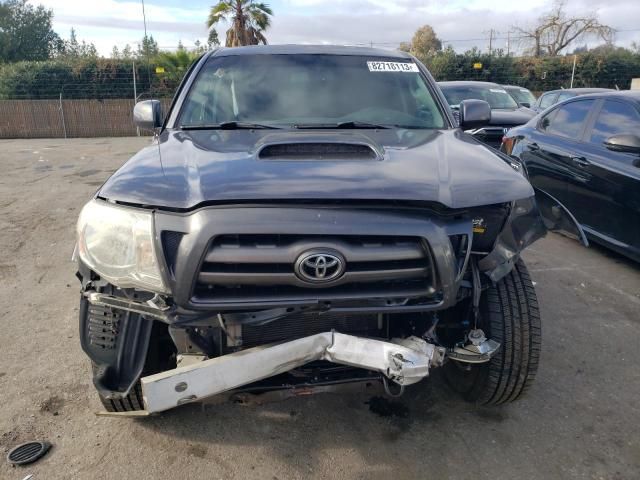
x=413 y=127
x=346 y=125
x=228 y=126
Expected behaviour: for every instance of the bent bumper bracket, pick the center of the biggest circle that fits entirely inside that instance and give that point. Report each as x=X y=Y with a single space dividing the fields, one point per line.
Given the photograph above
x=404 y=361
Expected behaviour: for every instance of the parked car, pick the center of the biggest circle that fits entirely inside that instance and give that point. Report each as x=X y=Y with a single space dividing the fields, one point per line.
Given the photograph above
x=308 y=216
x=521 y=95
x=583 y=158
x=505 y=112
x=552 y=97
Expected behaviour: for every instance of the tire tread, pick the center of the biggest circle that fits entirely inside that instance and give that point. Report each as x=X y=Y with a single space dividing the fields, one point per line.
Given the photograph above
x=514 y=321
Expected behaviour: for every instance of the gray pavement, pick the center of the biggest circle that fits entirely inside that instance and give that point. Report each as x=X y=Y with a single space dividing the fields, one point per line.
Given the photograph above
x=580 y=420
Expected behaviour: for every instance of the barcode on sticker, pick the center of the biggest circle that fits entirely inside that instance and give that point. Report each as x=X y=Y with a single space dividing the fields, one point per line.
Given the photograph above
x=392 y=67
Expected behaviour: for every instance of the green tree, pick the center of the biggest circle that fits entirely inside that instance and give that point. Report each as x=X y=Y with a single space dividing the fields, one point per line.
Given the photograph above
x=198 y=48
x=176 y=63
x=424 y=44
x=26 y=32
x=213 y=40
x=148 y=48
x=72 y=48
x=127 y=52
x=248 y=20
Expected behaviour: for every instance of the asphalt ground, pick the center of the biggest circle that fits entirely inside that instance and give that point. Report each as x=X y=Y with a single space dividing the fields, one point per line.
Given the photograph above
x=581 y=419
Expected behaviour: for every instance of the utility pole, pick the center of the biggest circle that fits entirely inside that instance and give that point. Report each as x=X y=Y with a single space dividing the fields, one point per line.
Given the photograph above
x=490 y=41
x=64 y=125
x=573 y=71
x=146 y=48
x=491 y=33
x=508 y=43
x=135 y=90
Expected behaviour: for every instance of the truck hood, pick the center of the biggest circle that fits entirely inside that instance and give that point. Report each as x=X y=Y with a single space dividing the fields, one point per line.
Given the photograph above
x=184 y=169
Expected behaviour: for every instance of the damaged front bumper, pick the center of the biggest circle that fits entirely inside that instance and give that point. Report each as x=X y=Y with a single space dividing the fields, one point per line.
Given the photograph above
x=116 y=325
x=403 y=361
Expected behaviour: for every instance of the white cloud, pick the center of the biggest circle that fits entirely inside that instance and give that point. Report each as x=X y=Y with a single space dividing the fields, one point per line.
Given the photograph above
x=463 y=23
x=108 y=22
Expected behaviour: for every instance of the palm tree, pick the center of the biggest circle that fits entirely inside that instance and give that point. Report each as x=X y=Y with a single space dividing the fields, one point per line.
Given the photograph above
x=248 y=20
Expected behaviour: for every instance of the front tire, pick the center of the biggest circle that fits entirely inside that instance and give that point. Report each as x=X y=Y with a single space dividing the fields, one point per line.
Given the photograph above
x=509 y=314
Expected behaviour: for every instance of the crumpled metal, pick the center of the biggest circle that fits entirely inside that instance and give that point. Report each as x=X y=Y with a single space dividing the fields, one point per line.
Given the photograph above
x=405 y=362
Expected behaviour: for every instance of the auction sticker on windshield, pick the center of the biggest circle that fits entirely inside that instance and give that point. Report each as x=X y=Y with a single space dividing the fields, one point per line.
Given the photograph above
x=392 y=67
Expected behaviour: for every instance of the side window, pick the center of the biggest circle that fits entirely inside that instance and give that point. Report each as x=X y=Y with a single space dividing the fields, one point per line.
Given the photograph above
x=564 y=96
x=546 y=120
x=615 y=118
x=568 y=120
x=547 y=100
x=425 y=103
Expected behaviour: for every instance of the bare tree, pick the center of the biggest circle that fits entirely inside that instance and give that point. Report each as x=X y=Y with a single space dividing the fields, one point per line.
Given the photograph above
x=556 y=30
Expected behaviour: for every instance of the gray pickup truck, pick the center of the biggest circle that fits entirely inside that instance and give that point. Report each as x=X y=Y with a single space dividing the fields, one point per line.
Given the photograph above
x=308 y=216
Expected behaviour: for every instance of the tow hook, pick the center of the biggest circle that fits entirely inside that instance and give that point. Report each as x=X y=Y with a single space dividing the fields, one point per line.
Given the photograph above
x=478 y=349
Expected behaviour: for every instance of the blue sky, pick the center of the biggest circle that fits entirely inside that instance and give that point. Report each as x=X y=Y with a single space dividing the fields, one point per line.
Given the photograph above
x=461 y=23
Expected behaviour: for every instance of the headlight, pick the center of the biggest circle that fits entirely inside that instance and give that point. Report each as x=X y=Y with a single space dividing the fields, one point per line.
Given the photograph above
x=117 y=243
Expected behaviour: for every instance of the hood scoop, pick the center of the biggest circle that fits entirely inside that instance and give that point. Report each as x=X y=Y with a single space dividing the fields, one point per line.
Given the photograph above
x=313 y=151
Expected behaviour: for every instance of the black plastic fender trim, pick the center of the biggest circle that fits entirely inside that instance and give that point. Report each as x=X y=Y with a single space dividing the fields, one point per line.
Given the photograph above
x=117 y=370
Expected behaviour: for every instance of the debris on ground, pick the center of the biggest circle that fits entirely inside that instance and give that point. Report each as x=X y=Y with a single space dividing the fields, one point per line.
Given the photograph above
x=28 y=452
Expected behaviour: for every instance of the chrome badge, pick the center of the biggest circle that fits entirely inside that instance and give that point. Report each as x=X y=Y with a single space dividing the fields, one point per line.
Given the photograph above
x=318 y=266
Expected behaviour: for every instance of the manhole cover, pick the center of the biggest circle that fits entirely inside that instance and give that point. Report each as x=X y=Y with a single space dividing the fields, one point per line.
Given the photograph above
x=28 y=452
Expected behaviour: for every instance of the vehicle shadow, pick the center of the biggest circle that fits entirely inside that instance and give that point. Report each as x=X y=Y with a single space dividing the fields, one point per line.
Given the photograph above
x=421 y=427
x=614 y=256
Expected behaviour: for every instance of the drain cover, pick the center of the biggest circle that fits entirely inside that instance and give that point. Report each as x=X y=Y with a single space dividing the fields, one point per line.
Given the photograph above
x=28 y=452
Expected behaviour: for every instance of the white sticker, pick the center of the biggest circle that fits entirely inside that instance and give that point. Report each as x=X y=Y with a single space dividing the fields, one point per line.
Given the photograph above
x=392 y=67
x=497 y=90
x=524 y=90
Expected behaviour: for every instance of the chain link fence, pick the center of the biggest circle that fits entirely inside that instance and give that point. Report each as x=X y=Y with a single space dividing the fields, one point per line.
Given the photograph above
x=85 y=98
x=69 y=118
x=95 y=97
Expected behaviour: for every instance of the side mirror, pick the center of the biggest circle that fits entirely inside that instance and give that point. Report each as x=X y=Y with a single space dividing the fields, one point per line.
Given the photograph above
x=147 y=114
x=525 y=104
x=474 y=114
x=623 y=143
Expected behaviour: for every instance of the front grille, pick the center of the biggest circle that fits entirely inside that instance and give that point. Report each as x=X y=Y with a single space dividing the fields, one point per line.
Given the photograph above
x=252 y=268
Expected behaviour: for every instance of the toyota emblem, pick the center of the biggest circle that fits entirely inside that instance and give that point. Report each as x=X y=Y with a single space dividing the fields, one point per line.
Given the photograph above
x=319 y=266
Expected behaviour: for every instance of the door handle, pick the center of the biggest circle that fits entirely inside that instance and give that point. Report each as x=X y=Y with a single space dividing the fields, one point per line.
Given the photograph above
x=581 y=161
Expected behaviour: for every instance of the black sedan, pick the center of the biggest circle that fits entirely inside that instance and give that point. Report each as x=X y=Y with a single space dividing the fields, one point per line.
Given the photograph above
x=505 y=111
x=583 y=158
x=552 y=97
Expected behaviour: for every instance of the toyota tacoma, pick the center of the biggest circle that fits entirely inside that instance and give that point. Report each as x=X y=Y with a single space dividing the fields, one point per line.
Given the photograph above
x=308 y=216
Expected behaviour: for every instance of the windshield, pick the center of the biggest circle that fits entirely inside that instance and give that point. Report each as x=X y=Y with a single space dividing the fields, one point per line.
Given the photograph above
x=521 y=95
x=307 y=90
x=496 y=96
